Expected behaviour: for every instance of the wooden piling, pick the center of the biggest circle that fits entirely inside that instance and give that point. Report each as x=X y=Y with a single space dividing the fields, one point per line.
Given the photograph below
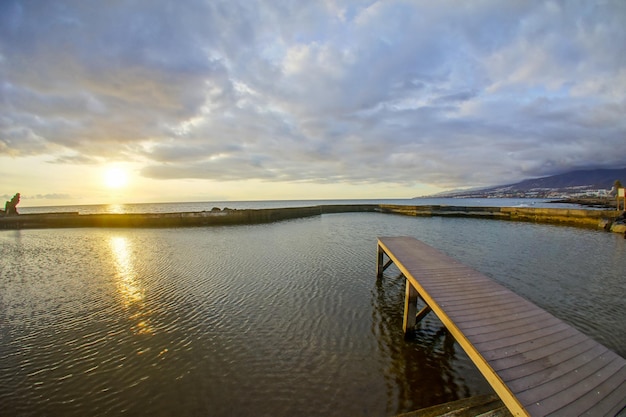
x=410 y=309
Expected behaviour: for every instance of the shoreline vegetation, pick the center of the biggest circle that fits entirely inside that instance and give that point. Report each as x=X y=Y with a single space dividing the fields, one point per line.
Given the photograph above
x=585 y=218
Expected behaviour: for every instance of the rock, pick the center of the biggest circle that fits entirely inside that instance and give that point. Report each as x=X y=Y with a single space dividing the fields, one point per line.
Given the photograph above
x=618 y=228
x=605 y=224
x=10 y=207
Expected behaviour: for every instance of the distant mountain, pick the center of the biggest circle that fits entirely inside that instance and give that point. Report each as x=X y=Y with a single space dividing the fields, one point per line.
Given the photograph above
x=596 y=182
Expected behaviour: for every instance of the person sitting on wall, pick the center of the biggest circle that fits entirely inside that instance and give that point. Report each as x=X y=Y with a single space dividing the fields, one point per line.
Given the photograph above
x=10 y=207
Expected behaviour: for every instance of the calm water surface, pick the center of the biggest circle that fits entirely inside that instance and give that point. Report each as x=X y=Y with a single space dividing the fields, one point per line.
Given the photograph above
x=268 y=320
x=208 y=205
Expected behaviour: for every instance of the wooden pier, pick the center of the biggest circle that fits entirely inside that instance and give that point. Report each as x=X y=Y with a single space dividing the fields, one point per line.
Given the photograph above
x=537 y=364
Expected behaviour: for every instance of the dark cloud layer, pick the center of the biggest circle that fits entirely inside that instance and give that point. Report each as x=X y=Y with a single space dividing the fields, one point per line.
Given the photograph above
x=447 y=93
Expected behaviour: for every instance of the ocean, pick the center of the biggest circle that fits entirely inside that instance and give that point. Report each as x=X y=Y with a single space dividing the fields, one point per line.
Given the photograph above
x=275 y=319
x=207 y=206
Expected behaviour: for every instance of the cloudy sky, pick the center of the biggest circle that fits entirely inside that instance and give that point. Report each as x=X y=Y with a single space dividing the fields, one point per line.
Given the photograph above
x=205 y=100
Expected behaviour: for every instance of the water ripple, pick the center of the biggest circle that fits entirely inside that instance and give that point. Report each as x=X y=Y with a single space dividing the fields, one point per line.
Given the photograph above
x=277 y=319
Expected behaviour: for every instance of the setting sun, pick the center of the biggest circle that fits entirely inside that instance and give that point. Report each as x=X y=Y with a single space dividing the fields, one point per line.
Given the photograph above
x=115 y=177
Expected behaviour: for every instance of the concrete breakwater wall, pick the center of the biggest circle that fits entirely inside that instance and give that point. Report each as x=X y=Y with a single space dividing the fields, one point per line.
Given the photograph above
x=595 y=219
x=184 y=219
x=592 y=219
x=571 y=217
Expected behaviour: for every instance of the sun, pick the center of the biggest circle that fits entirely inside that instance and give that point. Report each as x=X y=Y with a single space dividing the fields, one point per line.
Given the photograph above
x=115 y=177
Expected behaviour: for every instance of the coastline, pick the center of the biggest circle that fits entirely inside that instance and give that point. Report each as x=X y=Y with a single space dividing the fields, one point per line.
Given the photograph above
x=595 y=202
x=585 y=218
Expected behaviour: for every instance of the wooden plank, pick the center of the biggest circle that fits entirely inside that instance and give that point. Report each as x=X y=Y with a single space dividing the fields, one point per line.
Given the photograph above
x=536 y=363
x=525 y=341
x=483 y=405
x=483 y=294
x=528 y=346
x=422 y=313
x=499 y=322
x=582 y=377
x=482 y=306
x=520 y=324
x=550 y=353
x=581 y=396
x=608 y=399
x=537 y=376
x=502 y=335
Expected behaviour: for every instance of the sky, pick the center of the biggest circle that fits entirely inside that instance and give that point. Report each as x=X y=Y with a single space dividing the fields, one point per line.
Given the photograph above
x=205 y=100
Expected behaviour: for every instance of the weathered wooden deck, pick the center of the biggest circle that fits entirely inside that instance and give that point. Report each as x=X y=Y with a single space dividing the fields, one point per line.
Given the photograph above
x=536 y=363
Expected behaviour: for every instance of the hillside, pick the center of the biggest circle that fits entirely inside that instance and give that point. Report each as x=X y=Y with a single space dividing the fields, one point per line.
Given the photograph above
x=595 y=182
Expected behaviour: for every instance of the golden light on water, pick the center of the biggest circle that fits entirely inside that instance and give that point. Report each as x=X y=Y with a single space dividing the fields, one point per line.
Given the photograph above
x=115 y=208
x=128 y=286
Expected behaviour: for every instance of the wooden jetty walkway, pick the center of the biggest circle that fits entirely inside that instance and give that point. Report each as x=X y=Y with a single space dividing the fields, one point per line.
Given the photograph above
x=537 y=364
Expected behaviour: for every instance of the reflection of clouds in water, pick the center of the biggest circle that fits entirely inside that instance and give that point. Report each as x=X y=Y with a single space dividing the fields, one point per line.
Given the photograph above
x=132 y=294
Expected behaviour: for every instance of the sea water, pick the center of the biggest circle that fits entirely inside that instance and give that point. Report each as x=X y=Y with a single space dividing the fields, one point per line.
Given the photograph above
x=275 y=319
x=208 y=205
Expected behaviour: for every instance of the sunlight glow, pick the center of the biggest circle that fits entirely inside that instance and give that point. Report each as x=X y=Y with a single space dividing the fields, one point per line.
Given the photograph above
x=115 y=177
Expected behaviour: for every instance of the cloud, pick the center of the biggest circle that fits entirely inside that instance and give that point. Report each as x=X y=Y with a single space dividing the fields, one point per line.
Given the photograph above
x=50 y=197
x=38 y=197
x=362 y=92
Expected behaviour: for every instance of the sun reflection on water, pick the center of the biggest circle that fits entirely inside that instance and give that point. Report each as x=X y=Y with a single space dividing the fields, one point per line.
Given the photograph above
x=115 y=209
x=128 y=286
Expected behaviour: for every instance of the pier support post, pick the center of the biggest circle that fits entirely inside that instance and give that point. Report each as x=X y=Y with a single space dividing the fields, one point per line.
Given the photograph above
x=410 y=309
x=380 y=267
x=379 y=262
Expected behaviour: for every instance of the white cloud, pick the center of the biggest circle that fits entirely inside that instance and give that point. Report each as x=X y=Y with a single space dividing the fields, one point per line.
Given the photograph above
x=391 y=91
